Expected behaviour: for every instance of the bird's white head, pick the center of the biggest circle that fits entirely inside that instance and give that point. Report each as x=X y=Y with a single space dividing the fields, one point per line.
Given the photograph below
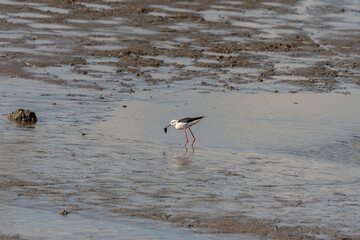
x=173 y=123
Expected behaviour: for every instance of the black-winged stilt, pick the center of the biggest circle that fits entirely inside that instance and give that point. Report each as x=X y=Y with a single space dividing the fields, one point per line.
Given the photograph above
x=184 y=124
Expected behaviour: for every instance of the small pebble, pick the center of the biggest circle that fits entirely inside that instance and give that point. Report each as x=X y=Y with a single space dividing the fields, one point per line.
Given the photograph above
x=63 y=212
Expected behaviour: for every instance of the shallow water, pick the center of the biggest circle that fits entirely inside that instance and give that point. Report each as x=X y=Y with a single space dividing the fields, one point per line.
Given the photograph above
x=269 y=155
x=61 y=162
x=292 y=158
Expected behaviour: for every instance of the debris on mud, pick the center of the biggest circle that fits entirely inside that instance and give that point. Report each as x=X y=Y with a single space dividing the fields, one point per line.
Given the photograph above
x=23 y=116
x=63 y=212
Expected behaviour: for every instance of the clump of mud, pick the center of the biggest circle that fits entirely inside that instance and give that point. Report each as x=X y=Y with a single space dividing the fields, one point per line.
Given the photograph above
x=23 y=116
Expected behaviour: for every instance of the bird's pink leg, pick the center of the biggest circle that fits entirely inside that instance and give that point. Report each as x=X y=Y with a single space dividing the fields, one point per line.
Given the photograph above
x=186 y=150
x=193 y=136
x=186 y=138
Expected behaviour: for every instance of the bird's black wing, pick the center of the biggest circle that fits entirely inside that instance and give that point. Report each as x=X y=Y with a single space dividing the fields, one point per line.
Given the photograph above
x=188 y=120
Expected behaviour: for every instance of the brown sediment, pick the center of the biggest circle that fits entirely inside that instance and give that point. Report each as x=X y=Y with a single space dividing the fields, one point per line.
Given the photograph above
x=236 y=224
x=7 y=237
x=135 y=52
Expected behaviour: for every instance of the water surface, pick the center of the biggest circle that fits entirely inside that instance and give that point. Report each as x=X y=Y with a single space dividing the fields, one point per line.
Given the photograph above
x=288 y=158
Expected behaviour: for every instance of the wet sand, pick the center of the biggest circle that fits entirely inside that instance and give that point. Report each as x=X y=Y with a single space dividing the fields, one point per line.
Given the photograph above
x=280 y=163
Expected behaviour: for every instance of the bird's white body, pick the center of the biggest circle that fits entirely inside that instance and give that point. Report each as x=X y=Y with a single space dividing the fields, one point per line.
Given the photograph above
x=183 y=125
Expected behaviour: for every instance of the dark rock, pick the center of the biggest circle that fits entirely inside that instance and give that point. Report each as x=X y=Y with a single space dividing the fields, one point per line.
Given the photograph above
x=23 y=116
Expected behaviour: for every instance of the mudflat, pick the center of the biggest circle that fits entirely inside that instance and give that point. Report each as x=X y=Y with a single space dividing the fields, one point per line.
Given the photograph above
x=280 y=163
x=226 y=45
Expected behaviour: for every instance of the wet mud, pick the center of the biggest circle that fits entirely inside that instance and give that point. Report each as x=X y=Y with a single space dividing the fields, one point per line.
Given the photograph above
x=228 y=45
x=99 y=54
x=4 y=237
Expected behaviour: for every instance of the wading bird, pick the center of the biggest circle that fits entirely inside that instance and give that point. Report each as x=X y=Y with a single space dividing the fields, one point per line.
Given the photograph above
x=184 y=124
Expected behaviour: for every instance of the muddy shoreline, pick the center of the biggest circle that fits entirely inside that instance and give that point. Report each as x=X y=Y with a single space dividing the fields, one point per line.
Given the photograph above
x=4 y=237
x=213 y=44
x=237 y=223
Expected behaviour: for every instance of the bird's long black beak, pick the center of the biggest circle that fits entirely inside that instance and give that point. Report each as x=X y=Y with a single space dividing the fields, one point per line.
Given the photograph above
x=165 y=128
